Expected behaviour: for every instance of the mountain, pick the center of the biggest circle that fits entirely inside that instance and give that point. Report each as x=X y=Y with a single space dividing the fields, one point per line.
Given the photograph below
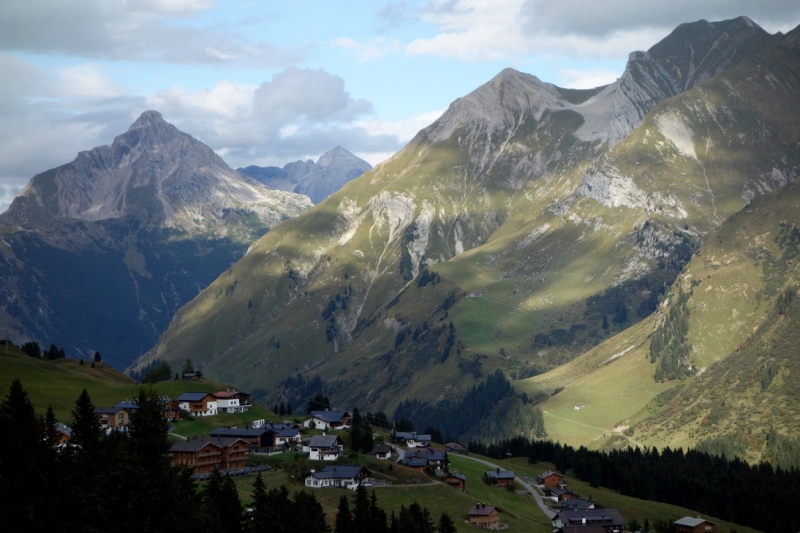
x=99 y=253
x=318 y=181
x=523 y=228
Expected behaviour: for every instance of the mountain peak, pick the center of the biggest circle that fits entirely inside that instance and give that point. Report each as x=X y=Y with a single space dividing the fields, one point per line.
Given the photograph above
x=150 y=117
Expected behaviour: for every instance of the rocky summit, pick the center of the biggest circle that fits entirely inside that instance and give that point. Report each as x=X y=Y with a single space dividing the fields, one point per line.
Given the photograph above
x=100 y=252
x=316 y=180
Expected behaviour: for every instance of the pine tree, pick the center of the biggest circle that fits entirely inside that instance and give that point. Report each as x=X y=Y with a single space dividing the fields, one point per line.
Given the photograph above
x=343 y=523
x=23 y=482
x=446 y=524
x=260 y=520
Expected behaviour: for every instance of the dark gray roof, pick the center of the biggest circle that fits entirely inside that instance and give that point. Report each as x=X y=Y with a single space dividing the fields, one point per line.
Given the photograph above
x=192 y=396
x=414 y=462
x=330 y=416
x=324 y=441
x=550 y=473
x=340 y=472
x=692 y=522
x=592 y=516
x=381 y=449
x=288 y=433
x=502 y=474
x=107 y=410
x=578 y=504
x=478 y=510
x=126 y=405
x=462 y=477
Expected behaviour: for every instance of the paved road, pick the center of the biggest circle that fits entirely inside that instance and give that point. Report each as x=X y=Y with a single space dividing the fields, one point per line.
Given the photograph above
x=530 y=488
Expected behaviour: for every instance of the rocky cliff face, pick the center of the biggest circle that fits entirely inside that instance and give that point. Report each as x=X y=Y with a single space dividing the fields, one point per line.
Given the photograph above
x=99 y=253
x=318 y=181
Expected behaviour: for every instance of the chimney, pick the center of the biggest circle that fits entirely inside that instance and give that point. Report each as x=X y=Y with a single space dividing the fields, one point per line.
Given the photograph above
x=498 y=469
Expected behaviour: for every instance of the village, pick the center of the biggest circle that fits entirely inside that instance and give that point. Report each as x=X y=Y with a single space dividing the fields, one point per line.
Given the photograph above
x=318 y=438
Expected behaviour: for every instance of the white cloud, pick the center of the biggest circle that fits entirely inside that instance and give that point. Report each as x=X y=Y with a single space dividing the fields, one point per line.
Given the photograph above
x=7 y=193
x=585 y=79
x=371 y=50
x=488 y=30
x=140 y=30
x=85 y=81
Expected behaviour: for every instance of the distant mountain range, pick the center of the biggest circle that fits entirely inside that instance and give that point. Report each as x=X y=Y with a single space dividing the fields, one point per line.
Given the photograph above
x=527 y=227
x=317 y=181
x=98 y=254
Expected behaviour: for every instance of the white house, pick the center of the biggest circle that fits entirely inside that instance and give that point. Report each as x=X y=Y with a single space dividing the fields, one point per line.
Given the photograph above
x=344 y=476
x=198 y=403
x=412 y=439
x=232 y=401
x=329 y=420
x=325 y=448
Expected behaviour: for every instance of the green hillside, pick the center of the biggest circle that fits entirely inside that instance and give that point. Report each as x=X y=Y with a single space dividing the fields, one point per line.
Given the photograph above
x=59 y=382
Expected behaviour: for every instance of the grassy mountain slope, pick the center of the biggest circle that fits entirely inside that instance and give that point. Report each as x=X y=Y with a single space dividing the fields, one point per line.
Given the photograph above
x=740 y=394
x=539 y=241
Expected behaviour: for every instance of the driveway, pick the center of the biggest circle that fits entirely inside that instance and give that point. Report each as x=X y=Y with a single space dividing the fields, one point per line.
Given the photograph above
x=548 y=512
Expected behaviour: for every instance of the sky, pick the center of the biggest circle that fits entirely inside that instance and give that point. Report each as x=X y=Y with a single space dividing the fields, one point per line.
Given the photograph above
x=273 y=81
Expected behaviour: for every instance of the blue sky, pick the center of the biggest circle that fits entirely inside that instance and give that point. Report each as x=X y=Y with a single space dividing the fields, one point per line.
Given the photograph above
x=269 y=82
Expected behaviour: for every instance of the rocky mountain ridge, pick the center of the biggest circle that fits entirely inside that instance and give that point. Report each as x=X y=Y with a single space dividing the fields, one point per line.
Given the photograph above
x=316 y=180
x=99 y=253
x=512 y=233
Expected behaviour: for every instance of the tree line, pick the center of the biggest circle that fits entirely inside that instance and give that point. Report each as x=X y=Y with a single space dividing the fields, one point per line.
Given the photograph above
x=758 y=496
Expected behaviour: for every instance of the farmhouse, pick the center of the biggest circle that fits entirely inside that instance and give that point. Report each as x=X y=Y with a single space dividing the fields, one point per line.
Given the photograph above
x=500 y=477
x=329 y=420
x=232 y=401
x=456 y=480
x=484 y=517
x=343 y=476
x=382 y=451
x=550 y=480
x=607 y=520
x=325 y=448
x=412 y=439
x=688 y=524
x=112 y=417
x=259 y=440
x=454 y=447
x=203 y=455
x=198 y=403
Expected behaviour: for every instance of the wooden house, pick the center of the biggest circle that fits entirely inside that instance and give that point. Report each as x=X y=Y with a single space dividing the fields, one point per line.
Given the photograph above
x=500 y=477
x=484 y=516
x=456 y=480
x=688 y=524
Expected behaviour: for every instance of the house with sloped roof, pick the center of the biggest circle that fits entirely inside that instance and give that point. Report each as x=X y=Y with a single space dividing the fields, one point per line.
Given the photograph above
x=259 y=440
x=500 y=477
x=203 y=455
x=325 y=448
x=456 y=480
x=112 y=417
x=484 y=516
x=569 y=521
x=549 y=480
x=342 y=476
x=232 y=401
x=454 y=447
x=561 y=495
x=412 y=439
x=329 y=420
x=198 y=403
x=382 y=451
x=687 y=524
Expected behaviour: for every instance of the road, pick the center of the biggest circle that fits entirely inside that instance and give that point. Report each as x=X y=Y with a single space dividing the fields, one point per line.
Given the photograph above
x=530 y=488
